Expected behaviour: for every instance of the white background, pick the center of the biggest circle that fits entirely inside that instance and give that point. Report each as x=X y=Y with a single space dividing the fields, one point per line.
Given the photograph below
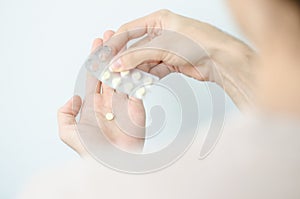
x=42 y=46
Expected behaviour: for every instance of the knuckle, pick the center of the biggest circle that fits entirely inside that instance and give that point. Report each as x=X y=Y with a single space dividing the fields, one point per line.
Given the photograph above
x=124 y=27
x=58 y=112
x=164 y=12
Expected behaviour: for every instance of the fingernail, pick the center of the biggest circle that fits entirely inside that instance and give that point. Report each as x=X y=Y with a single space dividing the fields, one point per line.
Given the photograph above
x=115 y=65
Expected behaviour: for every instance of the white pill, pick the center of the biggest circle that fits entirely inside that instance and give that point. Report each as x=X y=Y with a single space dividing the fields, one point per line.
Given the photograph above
x=128 y=87
x=148 y=80
x=140 y=92
x=136 y=75
x=124 y=73
x=106 y=75
x=116 y=82
x=109 y=116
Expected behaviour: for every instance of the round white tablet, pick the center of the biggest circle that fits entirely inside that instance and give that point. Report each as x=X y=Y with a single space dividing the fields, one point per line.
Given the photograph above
x=116 y=82
x=124 y=73
x=139 y=93
x=109 y=116
x=106 y=75
x=136 y=75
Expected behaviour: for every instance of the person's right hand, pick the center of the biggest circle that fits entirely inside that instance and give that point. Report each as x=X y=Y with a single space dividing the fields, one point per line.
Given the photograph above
x=188 y=46
x=126 y=129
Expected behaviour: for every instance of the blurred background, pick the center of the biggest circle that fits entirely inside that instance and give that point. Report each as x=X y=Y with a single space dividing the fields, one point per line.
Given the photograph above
x=42 y=46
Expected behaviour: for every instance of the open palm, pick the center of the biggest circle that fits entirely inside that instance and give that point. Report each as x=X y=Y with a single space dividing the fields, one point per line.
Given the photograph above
x=100 y=100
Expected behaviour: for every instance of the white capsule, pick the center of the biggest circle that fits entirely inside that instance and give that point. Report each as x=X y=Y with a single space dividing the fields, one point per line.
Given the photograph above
x=106 y=75
x=109 y=116
x=116 y=82
x=124 y=73
x=136 y=75
x=139 y=93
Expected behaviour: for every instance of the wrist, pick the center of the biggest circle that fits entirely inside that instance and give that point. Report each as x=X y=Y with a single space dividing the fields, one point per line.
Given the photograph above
x=234 y=70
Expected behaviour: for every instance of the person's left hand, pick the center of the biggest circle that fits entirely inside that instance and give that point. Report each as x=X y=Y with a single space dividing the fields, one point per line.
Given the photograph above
x=98 y=102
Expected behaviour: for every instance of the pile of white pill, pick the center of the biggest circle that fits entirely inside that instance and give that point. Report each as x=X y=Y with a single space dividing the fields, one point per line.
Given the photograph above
x=134 y=82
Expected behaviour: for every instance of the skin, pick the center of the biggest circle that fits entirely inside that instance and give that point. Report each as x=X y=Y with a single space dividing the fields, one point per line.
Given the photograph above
x=98 y=102
x=216 y=56
x=268 y=81
x=277 y=90
x=268 y=163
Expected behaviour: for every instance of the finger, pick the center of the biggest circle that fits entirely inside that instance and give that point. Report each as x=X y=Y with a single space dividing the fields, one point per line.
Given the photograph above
x=107 y=35
x=120 y=95
x=141 y=42
x=66 y=123
x=104 y=104
x=67 y=113
x=93 y=85
x=138 y=28
x=136 y=56
x=96 y=43
x=147 y=66
x=160 y=70
x=107 y=92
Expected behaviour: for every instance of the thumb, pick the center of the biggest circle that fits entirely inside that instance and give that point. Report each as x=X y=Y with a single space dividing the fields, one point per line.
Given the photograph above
x=66 y=123
x=66 y=117
x=67 y=113
x=133 y=57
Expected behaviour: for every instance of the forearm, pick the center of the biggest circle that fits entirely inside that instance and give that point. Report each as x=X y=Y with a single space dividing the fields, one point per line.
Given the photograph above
x=231 y=63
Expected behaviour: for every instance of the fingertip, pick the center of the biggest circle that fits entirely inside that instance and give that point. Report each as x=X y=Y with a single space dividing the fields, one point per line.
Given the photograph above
x=96 y=43
x=108 y=34
x=91 y=85
x=116 y=65
x=72 y=106
x=119 y=65
x=76 y=104
x=77 y=99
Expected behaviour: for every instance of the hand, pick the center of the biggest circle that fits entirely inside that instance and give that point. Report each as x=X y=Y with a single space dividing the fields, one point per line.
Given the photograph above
x=98 y=101
x=205 y=52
